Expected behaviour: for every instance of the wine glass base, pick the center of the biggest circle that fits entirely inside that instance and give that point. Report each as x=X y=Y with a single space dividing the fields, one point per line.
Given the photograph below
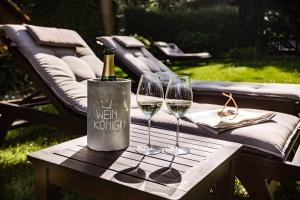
x=177 y=150
x=148 y=150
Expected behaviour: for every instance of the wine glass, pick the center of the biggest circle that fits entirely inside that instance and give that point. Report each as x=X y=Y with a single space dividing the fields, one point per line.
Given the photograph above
x=179 y=97
x=149 y=97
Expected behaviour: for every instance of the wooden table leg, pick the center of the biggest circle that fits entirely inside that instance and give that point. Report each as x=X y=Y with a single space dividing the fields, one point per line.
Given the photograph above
x=225 y=186
x=45 y=190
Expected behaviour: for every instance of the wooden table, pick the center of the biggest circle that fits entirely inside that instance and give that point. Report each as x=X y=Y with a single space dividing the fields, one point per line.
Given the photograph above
x=129 y=175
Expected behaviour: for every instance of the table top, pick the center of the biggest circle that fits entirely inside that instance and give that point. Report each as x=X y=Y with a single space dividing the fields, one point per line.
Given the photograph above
x=161 y=176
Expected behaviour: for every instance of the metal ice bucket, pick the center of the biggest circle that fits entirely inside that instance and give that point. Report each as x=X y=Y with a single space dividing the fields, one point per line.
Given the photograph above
x=108 y=114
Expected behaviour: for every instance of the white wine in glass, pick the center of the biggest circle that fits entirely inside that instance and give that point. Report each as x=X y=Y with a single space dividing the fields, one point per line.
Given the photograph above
x=179 y=98
x=150 y=97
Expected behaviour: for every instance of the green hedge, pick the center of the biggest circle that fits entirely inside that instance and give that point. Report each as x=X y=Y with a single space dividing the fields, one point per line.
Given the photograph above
x=210 y=28
x=14 y=83
x=81 y=16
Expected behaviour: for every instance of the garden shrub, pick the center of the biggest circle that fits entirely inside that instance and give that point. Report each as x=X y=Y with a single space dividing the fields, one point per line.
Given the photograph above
x=193 y=42
x=81 y=16
x=210 y=28
x=246 y=53
x=14 y=83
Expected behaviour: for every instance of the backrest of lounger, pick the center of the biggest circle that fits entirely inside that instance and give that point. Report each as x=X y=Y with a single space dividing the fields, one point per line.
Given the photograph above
x=135 y=56
x=62 y=67
x=168 y=49
x=174 y=48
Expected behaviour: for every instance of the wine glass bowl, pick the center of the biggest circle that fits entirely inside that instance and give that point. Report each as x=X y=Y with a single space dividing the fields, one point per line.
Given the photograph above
x=178 y=98
x=150 y=97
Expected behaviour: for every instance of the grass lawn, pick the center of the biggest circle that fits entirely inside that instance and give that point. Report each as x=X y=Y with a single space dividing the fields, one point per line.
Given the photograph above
x=275 y=71
x=16 y=174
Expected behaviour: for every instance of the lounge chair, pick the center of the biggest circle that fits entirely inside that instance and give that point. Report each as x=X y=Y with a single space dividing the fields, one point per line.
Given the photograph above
x=171 y=52
x=62 y=72
x=135 y=60
x=56 y=68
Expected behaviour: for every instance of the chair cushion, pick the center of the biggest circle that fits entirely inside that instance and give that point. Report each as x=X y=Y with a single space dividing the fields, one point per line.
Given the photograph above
x=138 y=66
x=129 y=42
x=173 y=48
x=199 y=55
x=79 y=67
x=54 y=37
x=161 y=44
x=271 y=138
x=253 y=90
x=62 y=68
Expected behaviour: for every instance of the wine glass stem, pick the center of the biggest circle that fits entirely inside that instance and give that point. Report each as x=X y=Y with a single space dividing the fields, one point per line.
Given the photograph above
x=149 y=125
x=177 y=133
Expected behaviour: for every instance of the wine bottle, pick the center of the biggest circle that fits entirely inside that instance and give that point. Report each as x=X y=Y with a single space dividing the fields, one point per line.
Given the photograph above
x=108 y=73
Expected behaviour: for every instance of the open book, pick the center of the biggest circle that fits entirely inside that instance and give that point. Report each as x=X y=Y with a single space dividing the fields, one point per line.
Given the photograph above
x=216 y=124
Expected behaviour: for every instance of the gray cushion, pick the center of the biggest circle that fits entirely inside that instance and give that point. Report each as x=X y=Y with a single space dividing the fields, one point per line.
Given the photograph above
x=253 y=90
x=161 y=44
x=54 y=36
x=64 y=69
x=199 y=55
x=172 y=50
x=146 y=62
x=128 y=42
x=270 y=138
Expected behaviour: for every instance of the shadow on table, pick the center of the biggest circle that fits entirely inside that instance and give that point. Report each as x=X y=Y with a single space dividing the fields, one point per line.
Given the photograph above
x=166 y=175
x=134 y=172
